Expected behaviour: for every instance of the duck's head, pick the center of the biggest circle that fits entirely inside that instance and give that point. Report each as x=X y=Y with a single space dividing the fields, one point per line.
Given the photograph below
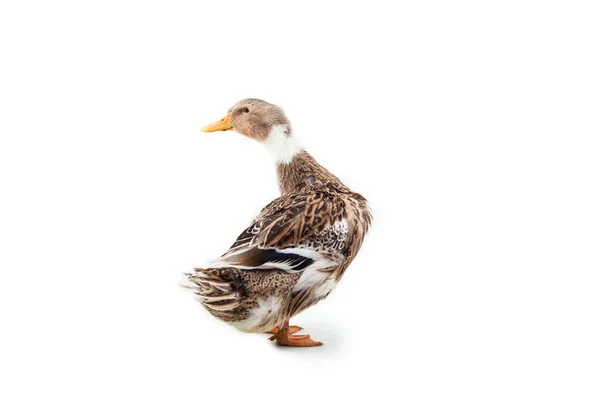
x=264 y=122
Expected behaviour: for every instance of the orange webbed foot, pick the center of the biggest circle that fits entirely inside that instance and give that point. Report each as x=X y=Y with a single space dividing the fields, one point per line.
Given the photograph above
x=285 y=337
x=298 y=341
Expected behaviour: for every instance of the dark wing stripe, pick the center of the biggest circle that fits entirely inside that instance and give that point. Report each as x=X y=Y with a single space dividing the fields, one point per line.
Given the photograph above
x=297 y=261
x=304 y=264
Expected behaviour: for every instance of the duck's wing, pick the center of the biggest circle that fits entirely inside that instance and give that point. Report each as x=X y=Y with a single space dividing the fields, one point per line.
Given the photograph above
x=292 y=233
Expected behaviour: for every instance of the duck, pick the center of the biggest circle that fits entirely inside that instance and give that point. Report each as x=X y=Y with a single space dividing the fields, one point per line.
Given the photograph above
x=299 y=246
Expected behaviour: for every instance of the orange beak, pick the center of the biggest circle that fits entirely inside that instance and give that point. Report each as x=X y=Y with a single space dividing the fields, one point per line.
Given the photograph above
x=222 y=125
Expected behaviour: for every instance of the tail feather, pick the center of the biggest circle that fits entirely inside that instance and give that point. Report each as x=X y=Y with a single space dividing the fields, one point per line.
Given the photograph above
x=219 y=289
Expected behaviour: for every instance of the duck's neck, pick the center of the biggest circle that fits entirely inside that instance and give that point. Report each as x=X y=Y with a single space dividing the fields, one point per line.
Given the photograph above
x=296 y=169
x=281 y=144
x=304 y=173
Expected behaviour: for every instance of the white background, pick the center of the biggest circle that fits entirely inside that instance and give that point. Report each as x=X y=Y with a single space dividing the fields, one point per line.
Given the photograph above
x=472 y=127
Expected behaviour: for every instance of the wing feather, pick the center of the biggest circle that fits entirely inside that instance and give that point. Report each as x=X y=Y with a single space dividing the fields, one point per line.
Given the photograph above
x=292 y=233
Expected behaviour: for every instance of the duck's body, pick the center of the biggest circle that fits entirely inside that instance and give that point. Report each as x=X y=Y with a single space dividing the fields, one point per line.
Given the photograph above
x=294 y=252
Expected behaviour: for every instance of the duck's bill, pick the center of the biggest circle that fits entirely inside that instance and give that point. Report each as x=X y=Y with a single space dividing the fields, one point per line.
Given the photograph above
x=221 y=125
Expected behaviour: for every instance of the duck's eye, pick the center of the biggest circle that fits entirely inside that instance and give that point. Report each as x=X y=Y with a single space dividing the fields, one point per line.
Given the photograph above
x=245 y=110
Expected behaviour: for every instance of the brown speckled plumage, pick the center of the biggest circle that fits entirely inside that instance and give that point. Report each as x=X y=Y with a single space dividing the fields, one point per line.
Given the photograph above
x=295 y=250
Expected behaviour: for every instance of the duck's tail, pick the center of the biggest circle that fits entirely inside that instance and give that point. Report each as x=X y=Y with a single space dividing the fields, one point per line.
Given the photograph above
x=220 y=290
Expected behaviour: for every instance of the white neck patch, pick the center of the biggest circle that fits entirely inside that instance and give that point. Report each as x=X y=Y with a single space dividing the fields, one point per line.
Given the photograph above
x=283 y=147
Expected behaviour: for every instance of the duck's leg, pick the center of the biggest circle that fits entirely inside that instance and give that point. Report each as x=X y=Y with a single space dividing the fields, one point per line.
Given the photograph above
x=292 y=329
x=284 y=337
